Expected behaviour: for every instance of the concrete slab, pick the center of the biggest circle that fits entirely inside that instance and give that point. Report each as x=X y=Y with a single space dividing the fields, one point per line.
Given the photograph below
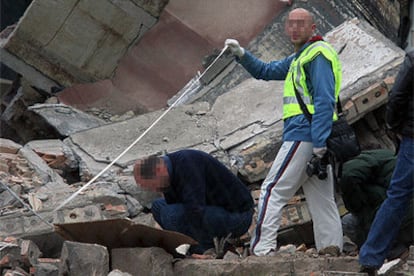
x=66 y=119
x=45 y=173
x=88 y=167
x=169 y=54
x=142 y=261
x=77 y=41
x=176 y=130
x=29 y=72
x=366 y=55
x=283 y=265
x=246 y=105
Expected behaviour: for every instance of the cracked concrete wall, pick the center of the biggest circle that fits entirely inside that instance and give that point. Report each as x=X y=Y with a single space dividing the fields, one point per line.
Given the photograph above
x=77 y=40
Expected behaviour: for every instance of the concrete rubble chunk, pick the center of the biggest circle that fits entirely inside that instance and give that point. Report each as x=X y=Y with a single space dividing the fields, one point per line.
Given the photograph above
x=180 y=128
x=156 y=261
x=368 y=100
x=9 y=254
x=7 y=199
x=8 y=146
x=55 y=153
x=298 y=264
x=22 y=223
x=50 y=245
x=32 y=74
x=66 y=119
x=46 y=269
x=80 y=214
x=88 y=166
x=29 y=252
x=363 y=51
x=143 y=261
x=17 y=271
x=19 y=123
x=42 y=38
x=134 y=207
x=46 y=173
x=84 y=259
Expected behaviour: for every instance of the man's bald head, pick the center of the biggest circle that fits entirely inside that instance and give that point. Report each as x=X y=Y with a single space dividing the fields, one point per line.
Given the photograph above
x=300 y=27
x=302 y=13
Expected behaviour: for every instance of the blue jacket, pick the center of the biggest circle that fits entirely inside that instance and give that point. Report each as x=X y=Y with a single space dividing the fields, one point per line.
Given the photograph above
x=198 y=180
x=321 y=85
x=400 y=106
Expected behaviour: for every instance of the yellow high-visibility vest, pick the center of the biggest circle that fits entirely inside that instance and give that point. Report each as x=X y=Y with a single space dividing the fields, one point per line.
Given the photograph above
x=291 y=106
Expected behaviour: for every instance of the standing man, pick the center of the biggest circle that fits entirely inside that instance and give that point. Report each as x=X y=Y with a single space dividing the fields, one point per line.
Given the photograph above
x=202 y=198
x=314 y=71
x=400 y=119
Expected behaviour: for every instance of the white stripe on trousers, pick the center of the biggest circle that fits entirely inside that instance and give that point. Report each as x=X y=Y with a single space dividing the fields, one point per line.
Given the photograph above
x=286 y=176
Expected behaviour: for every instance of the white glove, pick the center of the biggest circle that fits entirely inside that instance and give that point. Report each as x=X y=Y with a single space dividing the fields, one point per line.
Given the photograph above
x=234 y=47
x=319 y=152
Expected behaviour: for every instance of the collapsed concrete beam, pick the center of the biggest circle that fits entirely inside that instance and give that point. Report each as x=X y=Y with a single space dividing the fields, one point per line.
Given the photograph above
x=66 y=119
x=34 y=76
x=52 y=43
x=368 y=58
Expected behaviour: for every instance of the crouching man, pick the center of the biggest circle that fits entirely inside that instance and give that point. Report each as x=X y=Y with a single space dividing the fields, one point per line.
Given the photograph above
x=202 y=198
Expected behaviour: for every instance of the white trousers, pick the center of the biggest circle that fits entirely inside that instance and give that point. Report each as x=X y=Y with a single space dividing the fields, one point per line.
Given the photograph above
x=286 y=176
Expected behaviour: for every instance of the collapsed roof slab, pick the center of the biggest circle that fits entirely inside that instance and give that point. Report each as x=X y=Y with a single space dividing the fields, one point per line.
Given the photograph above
x=76 y=41
x=369 y=61
x=80 y=48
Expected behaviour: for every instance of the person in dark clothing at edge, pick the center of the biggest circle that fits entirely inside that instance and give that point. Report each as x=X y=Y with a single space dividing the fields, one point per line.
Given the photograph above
x=363 y=185
x=202 y=198
x=315 y=72
x=399 y=119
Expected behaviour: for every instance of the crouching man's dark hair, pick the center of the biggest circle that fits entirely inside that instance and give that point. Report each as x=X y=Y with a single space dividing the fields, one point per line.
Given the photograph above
x=148 y=166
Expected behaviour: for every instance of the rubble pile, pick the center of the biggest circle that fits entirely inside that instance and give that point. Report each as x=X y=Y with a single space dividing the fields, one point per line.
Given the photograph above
x=50 y=150
x=32 y=246
x=23 y=257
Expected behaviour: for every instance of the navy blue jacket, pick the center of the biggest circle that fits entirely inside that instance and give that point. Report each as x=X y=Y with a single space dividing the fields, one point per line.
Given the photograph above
x=198 y=180
x=321 y=85
x=400 y=106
